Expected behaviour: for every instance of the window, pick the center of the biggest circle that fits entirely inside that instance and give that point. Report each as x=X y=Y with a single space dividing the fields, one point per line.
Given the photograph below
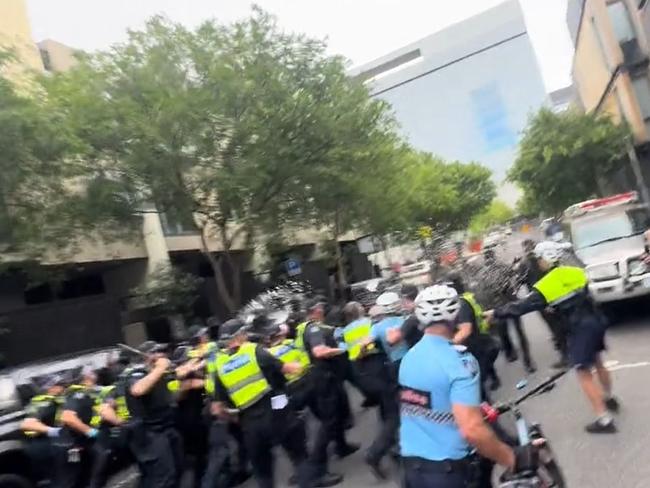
x=491 y=116
x=621 y=21
x=641 y=87
x=177 y=224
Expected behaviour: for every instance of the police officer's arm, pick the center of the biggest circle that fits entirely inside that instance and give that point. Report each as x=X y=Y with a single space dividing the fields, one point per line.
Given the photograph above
x=465 y=399
x=146 y=383
x=465 y=325
x=108 y=414
x=535 y=301
x=316 y=339
x=70 y=419
x=35 y=425
x=189 y=367
x=273 y=369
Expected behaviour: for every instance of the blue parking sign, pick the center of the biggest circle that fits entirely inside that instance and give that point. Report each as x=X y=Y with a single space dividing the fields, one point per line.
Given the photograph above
x=293 y=267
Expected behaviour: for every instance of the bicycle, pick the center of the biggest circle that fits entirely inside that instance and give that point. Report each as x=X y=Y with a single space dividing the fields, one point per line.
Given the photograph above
x=548 y=473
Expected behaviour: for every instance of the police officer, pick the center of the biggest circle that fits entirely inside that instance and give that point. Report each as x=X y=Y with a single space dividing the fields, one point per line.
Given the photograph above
x=474 y=333
x=439 y=399
x=564 y=288
x=329 y=366
x=155 y=443
x=40 y=425
x=409 y=332
x=111 y=447
x=75 y=444
x=248 y=379
x=373 y=374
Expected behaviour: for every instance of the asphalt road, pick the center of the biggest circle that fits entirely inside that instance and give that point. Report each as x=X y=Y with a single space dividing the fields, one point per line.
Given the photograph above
x=588 y=461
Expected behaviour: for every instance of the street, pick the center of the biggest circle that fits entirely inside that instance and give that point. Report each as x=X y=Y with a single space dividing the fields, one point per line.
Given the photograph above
x=588 y=461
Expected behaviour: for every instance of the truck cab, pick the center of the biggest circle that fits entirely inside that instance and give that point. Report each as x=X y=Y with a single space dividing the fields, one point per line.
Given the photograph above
x=607 y=235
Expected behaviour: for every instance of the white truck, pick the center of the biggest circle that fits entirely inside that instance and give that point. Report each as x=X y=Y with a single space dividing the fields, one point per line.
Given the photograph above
x=607 y=235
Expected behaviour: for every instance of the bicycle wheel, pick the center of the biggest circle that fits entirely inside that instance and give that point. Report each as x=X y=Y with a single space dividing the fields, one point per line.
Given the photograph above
x=549 y=471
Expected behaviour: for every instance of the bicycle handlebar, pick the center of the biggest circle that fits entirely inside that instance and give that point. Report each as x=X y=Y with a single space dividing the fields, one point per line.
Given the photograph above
x=543 y=387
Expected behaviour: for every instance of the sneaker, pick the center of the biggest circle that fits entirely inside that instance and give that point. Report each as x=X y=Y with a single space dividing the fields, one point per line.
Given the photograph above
x=562 y=363
x=495 y=384
x=512 y=357
x=612 y=404
x=375 y=468
x=599 y=427
x=530 y=368
x=328 y=479
x=347 y=450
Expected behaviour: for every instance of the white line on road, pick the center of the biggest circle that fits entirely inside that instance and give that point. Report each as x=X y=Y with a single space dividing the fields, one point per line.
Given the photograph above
x=615 y=365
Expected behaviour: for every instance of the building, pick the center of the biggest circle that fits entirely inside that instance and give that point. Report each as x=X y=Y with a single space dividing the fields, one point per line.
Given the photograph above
x=610 y=68
x=465 y=93
x=562 y=99
x=84 y=300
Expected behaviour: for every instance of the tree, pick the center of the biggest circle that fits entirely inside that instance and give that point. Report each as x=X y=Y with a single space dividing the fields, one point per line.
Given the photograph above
x=564 y=157
x=237 y=126
x=498 y=213
x=168 y=289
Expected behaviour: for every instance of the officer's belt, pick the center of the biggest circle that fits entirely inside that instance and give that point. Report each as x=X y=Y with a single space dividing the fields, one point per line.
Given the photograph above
x=442 y=467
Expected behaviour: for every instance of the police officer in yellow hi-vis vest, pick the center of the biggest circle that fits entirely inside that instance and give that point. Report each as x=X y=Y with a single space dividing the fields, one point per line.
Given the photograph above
x=473 y=332
x=248 y=381
x=110 y=418
x=564 y=288
x=41 y=425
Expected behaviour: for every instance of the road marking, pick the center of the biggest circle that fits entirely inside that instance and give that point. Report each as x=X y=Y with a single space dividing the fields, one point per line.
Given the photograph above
x=617 y=366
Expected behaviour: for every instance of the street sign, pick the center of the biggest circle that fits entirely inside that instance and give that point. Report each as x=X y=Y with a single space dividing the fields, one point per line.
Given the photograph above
x=293 y=267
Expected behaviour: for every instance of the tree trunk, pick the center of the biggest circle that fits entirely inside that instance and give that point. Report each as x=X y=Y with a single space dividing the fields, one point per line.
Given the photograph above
x=222 y=288
x=339 y=255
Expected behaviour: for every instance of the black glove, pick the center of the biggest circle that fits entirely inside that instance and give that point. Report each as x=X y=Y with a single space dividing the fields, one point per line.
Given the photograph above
x=526 y=458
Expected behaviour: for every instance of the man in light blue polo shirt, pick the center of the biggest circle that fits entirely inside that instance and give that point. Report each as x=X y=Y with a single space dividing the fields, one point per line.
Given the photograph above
x=390 y=304
x=441 y=422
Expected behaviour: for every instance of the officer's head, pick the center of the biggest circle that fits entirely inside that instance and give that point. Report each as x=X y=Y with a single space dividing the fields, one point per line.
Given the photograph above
x=232 y=334
x=455 y=281
x=376 y=313
x=152 y=350
x=316 y=309
x=548 y=254
x=436 y=308
x=390 y=302
x=409 y=294
x=88 y=376
x=198 y=335
x=353 y=311
x=54 y=385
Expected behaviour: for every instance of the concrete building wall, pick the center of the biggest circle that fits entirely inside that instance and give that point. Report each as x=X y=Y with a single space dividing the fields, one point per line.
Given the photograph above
x=607 y=79
x=16 y=35
x=56 y=57
x=465 y=93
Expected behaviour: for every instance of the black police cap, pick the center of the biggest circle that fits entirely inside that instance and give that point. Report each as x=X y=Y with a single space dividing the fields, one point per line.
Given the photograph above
x=230 y=328
x=409 y=291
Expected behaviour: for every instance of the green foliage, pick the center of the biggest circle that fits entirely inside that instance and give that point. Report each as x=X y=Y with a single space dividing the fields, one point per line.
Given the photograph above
x=168 y=289
x=562 y=157
x=498 y=213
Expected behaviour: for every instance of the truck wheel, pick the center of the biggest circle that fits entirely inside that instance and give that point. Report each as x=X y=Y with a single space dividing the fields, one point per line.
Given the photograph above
x=14 y=481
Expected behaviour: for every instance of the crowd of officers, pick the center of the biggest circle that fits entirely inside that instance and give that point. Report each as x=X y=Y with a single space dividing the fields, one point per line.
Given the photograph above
x=217 y=409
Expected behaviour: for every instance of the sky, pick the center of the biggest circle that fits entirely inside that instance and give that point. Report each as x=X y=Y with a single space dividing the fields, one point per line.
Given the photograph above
x=361 y=30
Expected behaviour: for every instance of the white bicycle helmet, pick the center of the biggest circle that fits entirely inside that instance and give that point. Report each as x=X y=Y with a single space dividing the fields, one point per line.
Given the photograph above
x=438 y=303
x=549 y=251
x=390 y=302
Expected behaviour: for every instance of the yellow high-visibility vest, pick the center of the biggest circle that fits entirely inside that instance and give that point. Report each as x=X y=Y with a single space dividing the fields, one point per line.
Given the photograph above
x=242 y=376
x=38 y=402
x=300 y=335
x=354 y=334
x=483 y=325
x=288 y=352
x=561 y=284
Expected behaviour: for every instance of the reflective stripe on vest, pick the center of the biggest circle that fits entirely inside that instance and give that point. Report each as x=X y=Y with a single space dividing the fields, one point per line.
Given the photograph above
x=242 y=376
x=300 y=335
x=561 y=284
x=288 y=352
x=483 y=325
x=354 y=334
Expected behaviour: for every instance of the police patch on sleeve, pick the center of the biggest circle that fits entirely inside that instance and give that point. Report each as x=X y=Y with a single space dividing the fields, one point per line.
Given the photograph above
x=470 y=364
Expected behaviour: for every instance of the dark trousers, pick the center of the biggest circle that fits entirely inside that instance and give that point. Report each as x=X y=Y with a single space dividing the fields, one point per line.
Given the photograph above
x=111 y=453
x=420 y=473
x=159 y=454
x=558 y=332
x=377 y=379
x=42 y=456
x=218 y=473
x=329 y=398
x=506 y=342
x=195 y=440
x=73 y=466
x=262 y=431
